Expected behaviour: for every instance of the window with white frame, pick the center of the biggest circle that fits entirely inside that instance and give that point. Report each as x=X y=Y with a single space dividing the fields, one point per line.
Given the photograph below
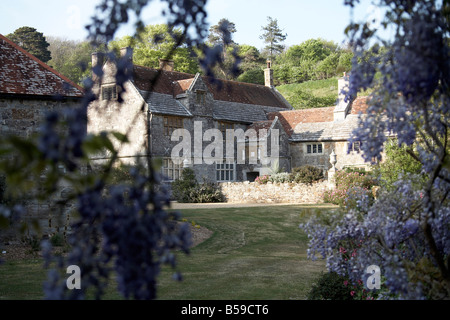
x=225 y=171
x=172 y=170
x=314 y=148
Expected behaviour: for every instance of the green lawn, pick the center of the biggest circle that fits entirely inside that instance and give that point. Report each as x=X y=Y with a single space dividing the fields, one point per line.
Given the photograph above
x=254 y=253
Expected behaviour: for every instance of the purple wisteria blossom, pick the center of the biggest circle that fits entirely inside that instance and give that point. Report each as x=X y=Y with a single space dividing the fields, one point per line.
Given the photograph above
x=405 y=232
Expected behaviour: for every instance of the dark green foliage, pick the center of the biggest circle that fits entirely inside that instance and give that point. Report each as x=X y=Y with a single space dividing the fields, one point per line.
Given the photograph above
x=188 y=190
x=398 y=162
x=57 y=240
x=255 y=76
x=181 y=187
x=306 y=174
x=32 y=41
x=330 y=286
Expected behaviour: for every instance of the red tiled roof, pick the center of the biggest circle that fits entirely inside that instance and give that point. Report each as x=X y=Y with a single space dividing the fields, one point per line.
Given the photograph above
x=172 y=82
x=290 y=119
x=359 y=105
x=21 y=73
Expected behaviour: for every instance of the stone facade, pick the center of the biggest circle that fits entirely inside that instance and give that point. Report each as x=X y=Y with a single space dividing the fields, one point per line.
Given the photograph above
x=194 y=103
x=301 y=157
x=253 y=192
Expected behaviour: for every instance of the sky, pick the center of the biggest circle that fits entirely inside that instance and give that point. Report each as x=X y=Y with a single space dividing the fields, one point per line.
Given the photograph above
x=299 y=19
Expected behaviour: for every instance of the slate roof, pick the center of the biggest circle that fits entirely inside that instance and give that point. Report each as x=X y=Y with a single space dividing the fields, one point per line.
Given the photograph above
x=325 y=131
x=164 y=104
x=241 y=112
x=233 y=101
x=261 y=128
x=22 y=74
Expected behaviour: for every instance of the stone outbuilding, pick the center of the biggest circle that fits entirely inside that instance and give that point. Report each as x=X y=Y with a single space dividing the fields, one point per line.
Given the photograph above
x=28 y=89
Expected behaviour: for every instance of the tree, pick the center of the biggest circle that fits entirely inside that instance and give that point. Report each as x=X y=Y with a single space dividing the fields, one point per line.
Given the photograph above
x=32 y=41
x=221 y=33
x=406 y=231
x=71 y=58
x=274 y=38
x=224 y=50
x=154 y=42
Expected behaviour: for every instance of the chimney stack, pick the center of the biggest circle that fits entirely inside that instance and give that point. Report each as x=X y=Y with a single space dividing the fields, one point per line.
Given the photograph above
x=126 y=52
x=97 y=64
x=268 y=75
x=342 y=107
x=166 y=64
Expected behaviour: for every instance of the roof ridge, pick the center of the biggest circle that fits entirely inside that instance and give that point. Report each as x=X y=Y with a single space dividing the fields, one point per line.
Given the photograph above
x=41 y=63
x=206 y=76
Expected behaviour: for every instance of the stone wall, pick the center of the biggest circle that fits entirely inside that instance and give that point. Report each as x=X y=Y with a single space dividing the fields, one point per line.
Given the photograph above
x=253 y=192
x=23 y=117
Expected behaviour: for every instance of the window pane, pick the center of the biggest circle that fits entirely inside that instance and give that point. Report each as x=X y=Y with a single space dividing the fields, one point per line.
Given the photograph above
x=319 y=148
x=314 y=148
x=308 y=147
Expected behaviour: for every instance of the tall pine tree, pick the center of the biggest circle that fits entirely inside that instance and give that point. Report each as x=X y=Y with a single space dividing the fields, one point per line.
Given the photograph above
x=273 y=36
x=32 y=41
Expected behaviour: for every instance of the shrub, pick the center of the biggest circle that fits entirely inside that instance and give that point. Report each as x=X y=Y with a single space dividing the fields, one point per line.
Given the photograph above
x=281 y=177
x=353 y=189
x=206 y=192
x=57 y=240
x=188 y=190
x=306 y=174
x=262 y=179
x=330 y=286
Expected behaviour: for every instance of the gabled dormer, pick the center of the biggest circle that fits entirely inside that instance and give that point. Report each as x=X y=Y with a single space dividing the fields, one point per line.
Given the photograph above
x=195 y=95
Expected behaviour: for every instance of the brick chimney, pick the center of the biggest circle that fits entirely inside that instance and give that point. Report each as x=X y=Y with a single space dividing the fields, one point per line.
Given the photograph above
x=268 y=75
x=166 y=64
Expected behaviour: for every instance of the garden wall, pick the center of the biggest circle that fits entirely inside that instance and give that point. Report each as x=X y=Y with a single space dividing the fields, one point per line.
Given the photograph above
x=254 y=192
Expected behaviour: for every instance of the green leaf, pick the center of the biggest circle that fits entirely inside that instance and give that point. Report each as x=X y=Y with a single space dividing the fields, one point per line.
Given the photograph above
x=120 y=136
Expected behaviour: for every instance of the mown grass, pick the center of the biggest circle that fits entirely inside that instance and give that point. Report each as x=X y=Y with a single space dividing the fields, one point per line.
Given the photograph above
x=254 y=253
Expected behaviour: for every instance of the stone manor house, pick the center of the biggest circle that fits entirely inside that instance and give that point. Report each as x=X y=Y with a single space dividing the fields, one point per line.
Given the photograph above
x=167 y=100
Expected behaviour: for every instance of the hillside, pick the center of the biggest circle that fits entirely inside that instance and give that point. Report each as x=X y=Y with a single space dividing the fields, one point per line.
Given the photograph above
x=311 y=94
